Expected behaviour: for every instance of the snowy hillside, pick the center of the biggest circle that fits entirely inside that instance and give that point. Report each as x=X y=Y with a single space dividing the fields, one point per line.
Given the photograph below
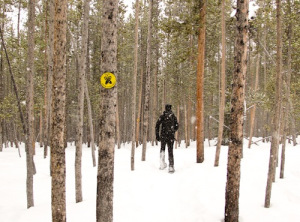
x=194 y=193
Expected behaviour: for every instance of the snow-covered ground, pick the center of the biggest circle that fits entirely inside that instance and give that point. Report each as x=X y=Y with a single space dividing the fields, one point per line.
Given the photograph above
x=194 y=193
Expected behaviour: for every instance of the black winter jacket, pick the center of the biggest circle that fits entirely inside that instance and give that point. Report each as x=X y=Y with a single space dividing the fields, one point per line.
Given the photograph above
x=169 y=126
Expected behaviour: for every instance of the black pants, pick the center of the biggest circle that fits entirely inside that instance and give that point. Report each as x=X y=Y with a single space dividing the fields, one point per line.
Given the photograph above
x=170 y=144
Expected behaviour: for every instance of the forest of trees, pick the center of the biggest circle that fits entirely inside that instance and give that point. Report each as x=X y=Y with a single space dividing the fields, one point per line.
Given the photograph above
x=156 y=61
x=173 y=68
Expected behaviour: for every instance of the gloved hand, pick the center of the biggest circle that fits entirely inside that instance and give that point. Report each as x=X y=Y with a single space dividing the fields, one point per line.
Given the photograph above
x=157 y=138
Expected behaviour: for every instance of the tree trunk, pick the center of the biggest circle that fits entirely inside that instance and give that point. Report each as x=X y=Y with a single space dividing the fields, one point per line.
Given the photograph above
x=81 y=86
x=15 y=138
x=253 y=110
x=147 y=85
x=135 y=70
x=186 y=126
x=58 y=195
x=41 y=129
x=200 y=83
x=105 y=177
x=139 y=116
x=30 y=103
x=86 y=92
x=287 y=84
x=155 y=92
x=222 y=88
x=290 y=107
x=264 y=57
x=188 y=129
x=50 y=46
x=277 y=110
x=237 y=114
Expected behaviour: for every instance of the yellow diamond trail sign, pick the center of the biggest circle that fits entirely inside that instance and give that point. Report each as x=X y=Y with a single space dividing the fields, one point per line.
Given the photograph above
x=108 y=80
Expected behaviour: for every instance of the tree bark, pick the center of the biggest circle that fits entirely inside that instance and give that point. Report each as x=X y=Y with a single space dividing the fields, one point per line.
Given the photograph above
x=223 y=84
x=139 y=116
x=29 y=104
x=105 y=177
x=253 y=110
x=277 y=110
x=50 y=49
x=186 y=126
x=289 y=72
x=156 y=67
x=237 y=114
x=86 y=92
x=81 y=86
x=287 y=84
x=58 y=200
x=200 y=83
x=135 y=70
x=147 y=85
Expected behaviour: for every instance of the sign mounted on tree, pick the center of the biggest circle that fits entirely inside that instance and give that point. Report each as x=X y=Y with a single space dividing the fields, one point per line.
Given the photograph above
x=108 y=80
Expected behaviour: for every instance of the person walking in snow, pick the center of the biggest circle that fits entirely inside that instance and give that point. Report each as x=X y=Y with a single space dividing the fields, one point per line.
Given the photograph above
x=169 y=126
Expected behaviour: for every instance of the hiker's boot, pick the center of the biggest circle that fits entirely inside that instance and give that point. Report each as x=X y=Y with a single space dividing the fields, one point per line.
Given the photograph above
x=171 y=169
x=163 y=164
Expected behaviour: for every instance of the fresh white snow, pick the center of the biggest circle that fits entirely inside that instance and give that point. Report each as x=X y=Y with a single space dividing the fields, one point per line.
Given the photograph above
x=194 y=193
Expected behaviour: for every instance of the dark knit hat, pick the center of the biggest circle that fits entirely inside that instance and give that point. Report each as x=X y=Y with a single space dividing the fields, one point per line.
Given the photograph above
x=168 y=107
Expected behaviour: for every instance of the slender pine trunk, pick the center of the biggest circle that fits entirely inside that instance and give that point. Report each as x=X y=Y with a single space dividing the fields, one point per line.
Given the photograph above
x=200 y=83
x=237 y=114
x=253 y=110
x=30 y=103
x=135 y=70
x=81 y=86
x=277 y=110
x=222 y=86
x=147 y=85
